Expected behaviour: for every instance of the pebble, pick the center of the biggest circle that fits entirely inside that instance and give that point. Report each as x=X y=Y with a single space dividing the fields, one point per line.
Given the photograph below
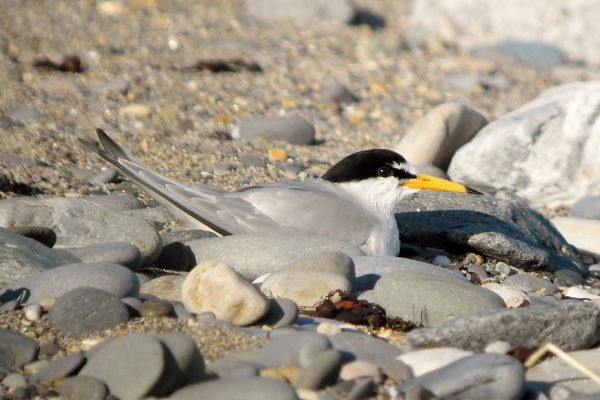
x=583 y=233
x=49 y=349
x=156 y=309
x=216 y=287
x=336 y=92
x=421 y=298
x=305 y=288
x=499 y=347
x=118 y=365
x=588 y=207
x=480 y=376
x=81 y=222
x=59 y=368
x=579 y=293
x=25 y=114
x=118 y=202
x=569 y=325
x=16 y=349
x=478 y=270
x=308 y=13
x=106 y=175
x=60 y=86
x=87 y=310
x=253 y=255
x=186 y=235
x=252 y=388
x=285 y=349
x=121 y=253
x=83 y=387
x=135 y=110
x=33 y=312
x=112 y=278
x=357 y=346
x=45 y=236
x=21 y=257
x=530 y=284
x=282 y=312
x=503 y=268
x=294 y=130
x=442 y=261
x=334 y=262
x=427 y=360
x=322 y=371
x=14 y=381
x=513 y=298
x=569 y=277
x=167 y=287
x=360 y=369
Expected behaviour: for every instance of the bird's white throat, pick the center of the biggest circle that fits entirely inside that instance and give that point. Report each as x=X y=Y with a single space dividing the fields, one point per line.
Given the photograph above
x=378 y=194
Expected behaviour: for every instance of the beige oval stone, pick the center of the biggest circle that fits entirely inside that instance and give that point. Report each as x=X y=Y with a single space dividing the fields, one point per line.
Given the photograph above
x=305 y=288
x=216 y=287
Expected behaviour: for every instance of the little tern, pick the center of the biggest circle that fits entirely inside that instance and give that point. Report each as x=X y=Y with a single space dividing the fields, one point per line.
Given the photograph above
x=353 y=201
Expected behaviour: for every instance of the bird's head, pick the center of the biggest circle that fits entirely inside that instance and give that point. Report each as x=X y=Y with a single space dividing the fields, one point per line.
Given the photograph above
x=385 y=176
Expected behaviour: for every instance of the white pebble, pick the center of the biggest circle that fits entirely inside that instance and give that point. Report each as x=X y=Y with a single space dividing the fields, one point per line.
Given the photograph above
x=499 y=346
x=33 y=312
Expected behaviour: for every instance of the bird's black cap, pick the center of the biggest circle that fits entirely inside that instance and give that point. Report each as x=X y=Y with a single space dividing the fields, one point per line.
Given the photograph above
x=368 y=164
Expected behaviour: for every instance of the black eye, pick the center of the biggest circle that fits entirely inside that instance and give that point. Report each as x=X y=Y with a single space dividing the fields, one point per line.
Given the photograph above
x=384 y=172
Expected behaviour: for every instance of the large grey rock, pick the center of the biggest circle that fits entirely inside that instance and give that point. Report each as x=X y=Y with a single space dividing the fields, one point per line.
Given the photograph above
x=21 y=257
x=307 y=12
x=571 y=26
x=237 y=389
x=544 y=152
x=255 y=254
x=504 y=230
x=112 y=278
x=481 y=376
x=435 y=137
x=79 y=223
x=431 y=300
x=569 y=325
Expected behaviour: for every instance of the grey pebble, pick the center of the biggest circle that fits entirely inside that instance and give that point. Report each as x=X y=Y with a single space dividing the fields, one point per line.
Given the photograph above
x=14 y=381
x=181 y=313
x=87 y=310
x=112 y=278
x=336 y=92
x=323 y=370
x=284 y=349
x=294 y=130
x=16 y=349
x=359 y=346
x=42 y=234
x=133 y=305
x=119 y=85
x=475 y=377
x=530 y=284
x=569 y=325
x=503 y=268
x=420 y=298
x=478 y=270
x=231 y=366
x=334 y=262
x=167 y=287
x=156 y=309
x=186 y=235
x=121 y=253
x=25 y=114
x=49 y=349
x=59 y=368
x=588 y=207
x=571 y=278
x=131 y=366
x=282 y=312
x=107 y=175
x=83 y=387
x=237 y=389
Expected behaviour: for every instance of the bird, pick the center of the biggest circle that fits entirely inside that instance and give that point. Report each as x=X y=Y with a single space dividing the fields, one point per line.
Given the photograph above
x=353 y=201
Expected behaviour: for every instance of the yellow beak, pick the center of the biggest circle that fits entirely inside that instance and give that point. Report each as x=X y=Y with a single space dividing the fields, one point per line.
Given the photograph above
x=428 y=182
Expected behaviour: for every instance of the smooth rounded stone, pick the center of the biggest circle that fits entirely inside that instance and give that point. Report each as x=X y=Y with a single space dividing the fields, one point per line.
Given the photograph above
x=336 y=92
x=579 y=293
x=59 y=368
x=142 y=278
x=234 y=364
x=49 y=349
x=360 y=369
x=118 y=363
x=121 y=253
x=568 y=276
x=33 y=312
x=443 y=130
x=499 y=347
x=16 y=349
x=308 y=13
x=530 y=284
x=478 y=270
x=369 y=269
x=397 y=371
x=569 y=325
x=186 y=235
x=421 y=298
x=174 y=256
x=216 y=287
x=112 y=278
x=480 y=376
x=80 y=222
x=45 y=236
x=526 y=139
x=156 y=309
x=87 y=310
x=294 y=130
x=588 y=207
x=106 y=175
x=237 y=389
x=282 y=312
x=442 y=261
x=305 y=288
x=83 y=387
x=253 y=255
x=427 y=360
x=184 y=363
x=503 y=268
x=13 y=381
x=120 y=202
x=504 y=230
x=513 y=298
x=285 y=349
x=21 y=257
x=133 y=302
x=181 y=313
x=359 y=346
x=35 y=366
x=322 y=371
x=552 y=371
x=334 y=262
x=582 y=233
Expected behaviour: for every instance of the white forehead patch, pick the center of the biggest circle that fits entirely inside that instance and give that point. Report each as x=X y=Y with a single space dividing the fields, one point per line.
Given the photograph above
x=406 y=166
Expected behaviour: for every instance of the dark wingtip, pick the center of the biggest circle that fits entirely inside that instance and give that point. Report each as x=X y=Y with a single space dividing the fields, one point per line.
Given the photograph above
x=473 y=191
